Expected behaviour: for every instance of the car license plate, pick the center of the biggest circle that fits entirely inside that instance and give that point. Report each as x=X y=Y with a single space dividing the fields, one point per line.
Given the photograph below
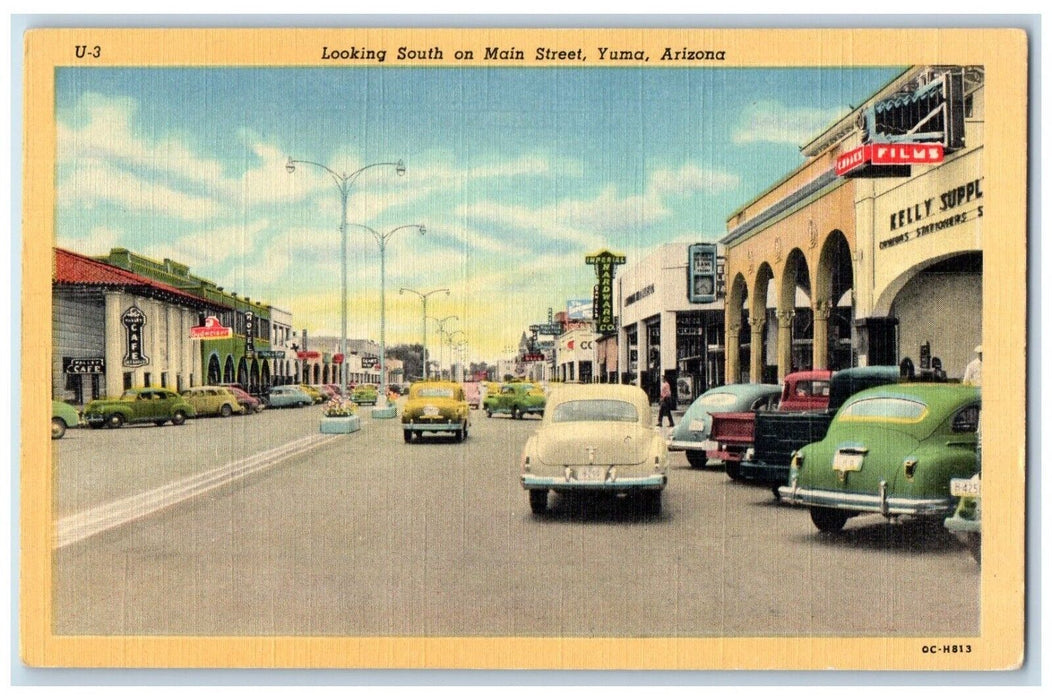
x=591 y=473
x=847 y=462
x=697 y=426
x=965 y=487
x=430 y=411
x=709 y=445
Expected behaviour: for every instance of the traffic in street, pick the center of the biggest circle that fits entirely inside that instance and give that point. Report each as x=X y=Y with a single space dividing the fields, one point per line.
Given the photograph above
x=262 y=526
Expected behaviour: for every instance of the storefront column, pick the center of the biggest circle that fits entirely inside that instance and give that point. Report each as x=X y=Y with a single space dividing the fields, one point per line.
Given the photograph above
x=642 y=348
x=785 y=342
x=669 y=342
x=820 y=345
x=756 y=352
x=114 y=345
x=191 y=350
x=732 y=354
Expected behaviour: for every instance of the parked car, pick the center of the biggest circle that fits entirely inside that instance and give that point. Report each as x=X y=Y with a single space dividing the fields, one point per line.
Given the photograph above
x=315 y=395
x=335 y=389
x=435 y=407
x=596 y=438
x=139 y=405
x=250 y=403
x=365 y=393
x=473 y=394
x=891 y=450
x=966 y=521
x=63 y=416
x=289 y=395
x=326 y=393
x=213 y=401
x=691 y=434
x=517 y=399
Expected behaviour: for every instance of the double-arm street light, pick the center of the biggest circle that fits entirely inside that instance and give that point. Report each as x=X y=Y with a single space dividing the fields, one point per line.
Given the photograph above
x=441 y=332
x=449 y=341
x=344 y=182
x=423 y=348
x=381 y=238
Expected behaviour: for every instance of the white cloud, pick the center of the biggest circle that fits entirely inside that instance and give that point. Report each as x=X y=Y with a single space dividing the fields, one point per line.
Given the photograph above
x=94 y=182
x=769 y=121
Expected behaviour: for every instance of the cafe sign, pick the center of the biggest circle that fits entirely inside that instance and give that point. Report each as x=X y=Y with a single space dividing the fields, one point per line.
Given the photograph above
x=133 y=321
x=84 y=365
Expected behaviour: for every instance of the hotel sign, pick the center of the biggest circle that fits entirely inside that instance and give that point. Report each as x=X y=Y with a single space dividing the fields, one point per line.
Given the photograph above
x=887 y=159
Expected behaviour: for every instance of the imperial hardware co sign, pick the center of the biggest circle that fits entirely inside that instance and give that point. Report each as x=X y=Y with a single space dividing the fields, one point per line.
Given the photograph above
x=605 y=264
x=857 y=162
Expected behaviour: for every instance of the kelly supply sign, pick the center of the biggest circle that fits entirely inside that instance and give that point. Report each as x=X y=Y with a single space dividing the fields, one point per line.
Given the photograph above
x=888 y=154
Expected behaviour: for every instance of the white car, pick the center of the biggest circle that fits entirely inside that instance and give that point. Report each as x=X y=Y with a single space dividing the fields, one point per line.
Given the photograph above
x=596 y=438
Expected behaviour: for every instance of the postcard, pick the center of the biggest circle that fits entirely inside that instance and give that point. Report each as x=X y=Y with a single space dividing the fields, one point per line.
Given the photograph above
x=524 y=348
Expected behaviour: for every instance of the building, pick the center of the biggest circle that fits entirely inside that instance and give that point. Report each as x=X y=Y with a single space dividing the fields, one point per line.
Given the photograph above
x=113 y=329
x=661 y=331
x=871 y=251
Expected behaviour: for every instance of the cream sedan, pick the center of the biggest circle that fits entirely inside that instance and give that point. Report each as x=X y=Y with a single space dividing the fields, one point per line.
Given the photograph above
x=596 y=438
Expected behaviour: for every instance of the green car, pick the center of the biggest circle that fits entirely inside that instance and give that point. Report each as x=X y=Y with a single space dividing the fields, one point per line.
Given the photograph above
x=516 y=399
x=140 y=405
x=891 y=450
x=364 y=393
x=62 y=416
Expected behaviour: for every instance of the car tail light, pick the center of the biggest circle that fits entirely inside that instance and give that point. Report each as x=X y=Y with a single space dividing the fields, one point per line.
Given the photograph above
x=525 y=462
x=909 y=467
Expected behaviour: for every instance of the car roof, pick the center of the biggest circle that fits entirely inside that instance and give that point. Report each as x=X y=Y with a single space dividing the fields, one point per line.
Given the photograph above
x=941 y=398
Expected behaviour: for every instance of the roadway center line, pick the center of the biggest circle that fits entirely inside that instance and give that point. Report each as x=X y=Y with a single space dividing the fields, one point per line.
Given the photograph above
x=80 y=526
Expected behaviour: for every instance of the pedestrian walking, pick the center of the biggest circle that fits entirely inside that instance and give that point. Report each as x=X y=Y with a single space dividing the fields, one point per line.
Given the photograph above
x=665 y=403
x=973 y=373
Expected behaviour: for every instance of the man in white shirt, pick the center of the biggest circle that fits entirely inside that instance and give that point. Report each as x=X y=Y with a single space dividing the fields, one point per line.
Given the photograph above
x=973 y=373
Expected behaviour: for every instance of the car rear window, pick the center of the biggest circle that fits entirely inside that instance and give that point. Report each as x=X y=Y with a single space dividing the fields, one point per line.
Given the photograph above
x=435 y=393
x=717 y=400
x=588 y=410
x=885 y=409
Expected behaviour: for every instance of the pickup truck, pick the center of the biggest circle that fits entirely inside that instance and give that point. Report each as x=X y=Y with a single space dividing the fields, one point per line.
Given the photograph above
x=733 y=432
x=778 y=434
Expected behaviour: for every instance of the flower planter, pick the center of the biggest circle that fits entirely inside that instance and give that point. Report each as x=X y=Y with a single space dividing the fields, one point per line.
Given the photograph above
x=340 y=424
x=386 y=412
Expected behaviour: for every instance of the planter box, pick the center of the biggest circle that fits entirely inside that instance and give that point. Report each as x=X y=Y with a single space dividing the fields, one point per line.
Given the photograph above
x=340 y=424
x=389 y=411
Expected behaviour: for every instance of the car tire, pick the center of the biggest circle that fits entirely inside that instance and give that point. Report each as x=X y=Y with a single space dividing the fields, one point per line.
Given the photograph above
x=489 y=414
x=58 y=428
x=178 y=418
x=115 y=420
x=829 y=519
x=226 y=410
x=95 y=425
x=652 y=503
x=407 y=435
x=516 y=414
x=697 y=458
x=538 y=500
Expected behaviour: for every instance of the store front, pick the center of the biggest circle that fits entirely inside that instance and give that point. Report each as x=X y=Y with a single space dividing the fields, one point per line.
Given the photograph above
x=869 y=253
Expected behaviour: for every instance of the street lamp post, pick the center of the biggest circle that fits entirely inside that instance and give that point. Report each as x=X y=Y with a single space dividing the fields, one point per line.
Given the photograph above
x=423 y=348
x=343 y=183
x=381 y=238
x=449 y=342
x=441 y=332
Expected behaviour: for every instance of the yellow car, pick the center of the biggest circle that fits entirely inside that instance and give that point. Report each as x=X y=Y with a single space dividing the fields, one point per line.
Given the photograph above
x=315 y=395
x=436 y=407
x=213 y=401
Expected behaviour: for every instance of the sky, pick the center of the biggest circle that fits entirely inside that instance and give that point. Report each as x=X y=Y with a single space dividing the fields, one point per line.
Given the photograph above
x=517 y=174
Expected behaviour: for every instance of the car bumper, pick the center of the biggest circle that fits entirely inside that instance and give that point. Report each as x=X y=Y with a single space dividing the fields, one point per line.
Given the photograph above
x=692 y=445
x=653 y=482
x=879 y=502
x=956 y=523
x=761 y=471
x=434 y=427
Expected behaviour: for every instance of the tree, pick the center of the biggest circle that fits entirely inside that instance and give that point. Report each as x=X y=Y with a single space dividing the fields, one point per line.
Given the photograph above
x=411 y=357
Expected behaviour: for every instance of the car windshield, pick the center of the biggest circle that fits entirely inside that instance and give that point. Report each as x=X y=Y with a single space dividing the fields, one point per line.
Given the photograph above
x=595 y=410
x=718 y=399
x=885 y=409
x=435 y=393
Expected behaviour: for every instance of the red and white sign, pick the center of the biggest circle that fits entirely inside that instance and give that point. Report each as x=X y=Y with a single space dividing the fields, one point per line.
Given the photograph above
x=889 y=154
x=308 y=355
x=212 y=330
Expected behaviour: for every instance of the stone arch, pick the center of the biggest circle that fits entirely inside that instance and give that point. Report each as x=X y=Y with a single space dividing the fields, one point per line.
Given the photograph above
x=758 y=323
x=793 y=314
x=736 y=324
x=228 y=370
x=264 y=377
x=214 y=374
x=242 y=373
x=833 y=303
x=253 y=375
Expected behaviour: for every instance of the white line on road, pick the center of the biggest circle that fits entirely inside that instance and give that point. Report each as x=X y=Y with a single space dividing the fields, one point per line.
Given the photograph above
x=75 y=528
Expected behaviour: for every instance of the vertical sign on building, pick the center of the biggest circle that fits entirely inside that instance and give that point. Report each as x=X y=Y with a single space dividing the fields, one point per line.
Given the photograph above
x=250 y=333
x=605 y=264
x=701 y=273
x=133 y=321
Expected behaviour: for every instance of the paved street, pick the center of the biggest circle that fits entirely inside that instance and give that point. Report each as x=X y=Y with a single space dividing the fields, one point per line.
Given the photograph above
x=365 y=535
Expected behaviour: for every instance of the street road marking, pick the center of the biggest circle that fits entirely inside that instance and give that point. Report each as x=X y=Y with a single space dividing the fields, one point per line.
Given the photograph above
x=75 y=528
